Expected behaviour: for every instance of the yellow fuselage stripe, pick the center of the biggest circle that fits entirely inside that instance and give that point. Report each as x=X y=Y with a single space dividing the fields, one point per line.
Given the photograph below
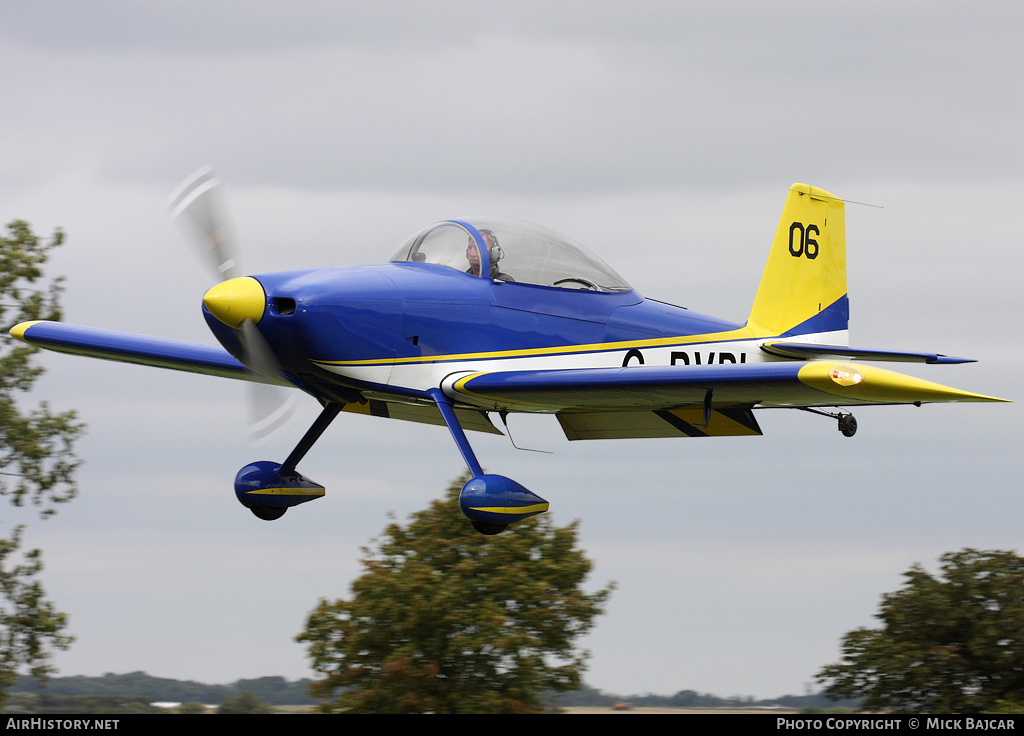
x=287 y=492
x=743 y=333
x=535 y=509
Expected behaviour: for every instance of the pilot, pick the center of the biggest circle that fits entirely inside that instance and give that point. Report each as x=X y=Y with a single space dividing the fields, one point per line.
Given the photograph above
x=494 y=252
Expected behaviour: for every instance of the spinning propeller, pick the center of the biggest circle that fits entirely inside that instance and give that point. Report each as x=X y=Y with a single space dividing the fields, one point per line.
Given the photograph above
x=198 y=206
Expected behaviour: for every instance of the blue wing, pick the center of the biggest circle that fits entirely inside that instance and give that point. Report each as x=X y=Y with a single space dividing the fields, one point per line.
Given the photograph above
x=783 y=383
x=128 y=348
x=688 y=401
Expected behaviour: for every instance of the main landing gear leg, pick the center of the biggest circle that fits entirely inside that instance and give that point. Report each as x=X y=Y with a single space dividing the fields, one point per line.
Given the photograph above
x=268 y=489
x=490 y=502
x=309 y=439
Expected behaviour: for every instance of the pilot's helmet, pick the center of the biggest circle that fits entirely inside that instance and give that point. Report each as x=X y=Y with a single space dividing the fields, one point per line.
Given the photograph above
x=493 y=247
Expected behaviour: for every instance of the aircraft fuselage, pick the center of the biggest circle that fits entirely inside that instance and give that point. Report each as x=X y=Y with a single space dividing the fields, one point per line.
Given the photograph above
x=401 y=328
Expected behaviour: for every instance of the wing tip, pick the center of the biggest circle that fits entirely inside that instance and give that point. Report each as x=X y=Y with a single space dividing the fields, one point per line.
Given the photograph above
x=870 y=384
x=18 y=331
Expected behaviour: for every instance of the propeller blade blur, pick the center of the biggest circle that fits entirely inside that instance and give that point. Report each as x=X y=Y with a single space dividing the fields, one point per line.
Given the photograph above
x=271 y=412
x=257 y=354
x=271 y=409
x=198 y=207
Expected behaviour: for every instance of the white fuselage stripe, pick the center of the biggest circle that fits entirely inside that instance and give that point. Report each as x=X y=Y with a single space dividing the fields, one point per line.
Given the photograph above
x=420 y=376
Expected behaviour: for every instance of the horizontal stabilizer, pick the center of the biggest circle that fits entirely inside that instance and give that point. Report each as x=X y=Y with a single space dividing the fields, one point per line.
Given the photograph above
x=811 y=351
x=129 y=348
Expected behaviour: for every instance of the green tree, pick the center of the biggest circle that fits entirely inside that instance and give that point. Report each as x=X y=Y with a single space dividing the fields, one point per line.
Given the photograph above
x=245 y=702
x=447 y=620
x=36 y=458
x=952 y=643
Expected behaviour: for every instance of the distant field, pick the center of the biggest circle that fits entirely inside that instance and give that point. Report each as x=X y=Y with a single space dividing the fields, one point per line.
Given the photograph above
x=591 y=710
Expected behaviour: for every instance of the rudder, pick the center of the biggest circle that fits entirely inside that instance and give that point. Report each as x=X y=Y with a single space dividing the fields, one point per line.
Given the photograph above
x=803 y=288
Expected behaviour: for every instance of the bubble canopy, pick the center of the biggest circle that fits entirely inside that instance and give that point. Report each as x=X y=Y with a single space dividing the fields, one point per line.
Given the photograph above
x=510 y=250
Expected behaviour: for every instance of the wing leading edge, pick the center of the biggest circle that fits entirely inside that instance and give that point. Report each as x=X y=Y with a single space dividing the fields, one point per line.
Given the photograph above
x=140 y=349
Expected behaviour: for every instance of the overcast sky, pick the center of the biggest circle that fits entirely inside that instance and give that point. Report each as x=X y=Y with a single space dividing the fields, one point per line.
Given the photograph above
x=661 y=135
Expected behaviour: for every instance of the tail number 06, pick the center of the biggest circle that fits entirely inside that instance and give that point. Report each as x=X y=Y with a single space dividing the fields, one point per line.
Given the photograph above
x=803 y=244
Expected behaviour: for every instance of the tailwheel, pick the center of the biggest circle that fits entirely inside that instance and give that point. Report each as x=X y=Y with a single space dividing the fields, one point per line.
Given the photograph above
x=846 y=421
x=847 y=425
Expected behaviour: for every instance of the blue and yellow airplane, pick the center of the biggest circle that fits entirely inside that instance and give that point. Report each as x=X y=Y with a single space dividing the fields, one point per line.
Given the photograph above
x=480 y=317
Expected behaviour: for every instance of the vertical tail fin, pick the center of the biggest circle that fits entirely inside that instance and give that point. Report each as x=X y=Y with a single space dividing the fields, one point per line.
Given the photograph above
x=803 y=289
